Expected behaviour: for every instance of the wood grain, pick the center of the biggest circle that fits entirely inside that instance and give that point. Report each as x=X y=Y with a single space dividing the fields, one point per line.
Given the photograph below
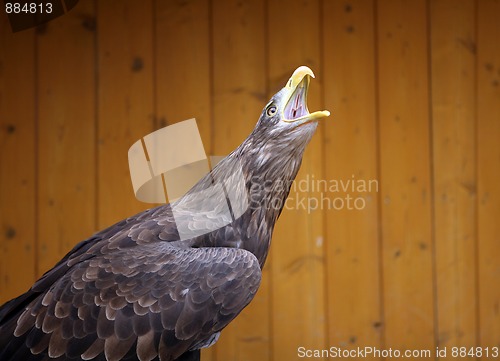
x=352 y=235
x=488 y=158
x=125 y=101
x=405 y=175
x=17 y=161
x=66 y=133
x=454 y=164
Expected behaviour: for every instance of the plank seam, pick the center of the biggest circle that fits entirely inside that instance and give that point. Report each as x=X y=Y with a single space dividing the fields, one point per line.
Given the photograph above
x=476 y=176
x=326 y=325
x=37 y=157
x=96 y=121
x=379 y=173
x=432 y=174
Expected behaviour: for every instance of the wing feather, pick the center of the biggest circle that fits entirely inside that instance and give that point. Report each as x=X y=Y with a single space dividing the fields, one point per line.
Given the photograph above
x=152 y=300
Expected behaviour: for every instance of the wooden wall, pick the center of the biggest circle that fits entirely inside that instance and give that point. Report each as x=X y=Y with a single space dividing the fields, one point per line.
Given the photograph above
x=414 y=88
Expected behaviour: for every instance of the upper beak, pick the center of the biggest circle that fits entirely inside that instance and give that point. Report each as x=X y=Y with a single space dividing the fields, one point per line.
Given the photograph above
x=295 y=109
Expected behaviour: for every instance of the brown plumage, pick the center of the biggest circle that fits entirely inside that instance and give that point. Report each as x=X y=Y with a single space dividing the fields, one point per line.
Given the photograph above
x=139 y=291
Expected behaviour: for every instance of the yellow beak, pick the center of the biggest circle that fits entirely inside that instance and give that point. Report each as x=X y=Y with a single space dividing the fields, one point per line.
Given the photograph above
x=297 y=87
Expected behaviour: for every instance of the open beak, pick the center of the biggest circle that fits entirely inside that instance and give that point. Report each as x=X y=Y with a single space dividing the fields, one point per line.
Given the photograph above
x=295 y=110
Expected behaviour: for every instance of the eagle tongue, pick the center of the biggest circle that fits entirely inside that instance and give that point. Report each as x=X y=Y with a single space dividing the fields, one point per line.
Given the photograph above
x=295 y=107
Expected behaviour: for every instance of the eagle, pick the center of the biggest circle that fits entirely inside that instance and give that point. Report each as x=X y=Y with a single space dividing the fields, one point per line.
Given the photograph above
x=144 y=288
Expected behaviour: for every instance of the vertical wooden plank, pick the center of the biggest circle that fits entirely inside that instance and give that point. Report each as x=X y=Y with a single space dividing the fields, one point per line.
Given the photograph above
x=182 y=77
x=66 y=138
x=183 y=65
x=453 y=110
x=353 y=277
x=17 y=161
x=239 y=94
x=488 y=158
x=298 y=307
x=405 y=174
x=125 y=101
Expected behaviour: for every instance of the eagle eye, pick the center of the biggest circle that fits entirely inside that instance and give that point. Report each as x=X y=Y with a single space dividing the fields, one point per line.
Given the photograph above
x=271 y=111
